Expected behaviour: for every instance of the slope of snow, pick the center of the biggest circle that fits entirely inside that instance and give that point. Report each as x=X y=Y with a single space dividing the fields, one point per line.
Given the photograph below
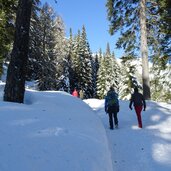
x=135 y=149
x=52 y=131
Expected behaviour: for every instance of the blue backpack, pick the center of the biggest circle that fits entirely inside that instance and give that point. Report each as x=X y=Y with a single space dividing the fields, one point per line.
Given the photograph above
x=112 y=99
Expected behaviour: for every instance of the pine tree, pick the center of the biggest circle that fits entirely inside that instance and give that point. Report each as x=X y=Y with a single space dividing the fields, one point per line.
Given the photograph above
x=160 y=83
x=33 y=65
x=116 y=73
x=131 y=15
x=85 y=75
x=47 y=79
x=101 y=79
x=95 y=67
x=70 y=62
x=128 y=77
x=15 y=82
x=7 y=17
x=108 y=68
x=159 y=28
x=108 y=74
x=62 y=62
x=112 y=70
x=76 y=63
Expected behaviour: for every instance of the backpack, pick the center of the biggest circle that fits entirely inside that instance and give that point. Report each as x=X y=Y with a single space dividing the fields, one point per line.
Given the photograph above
x=112 y=99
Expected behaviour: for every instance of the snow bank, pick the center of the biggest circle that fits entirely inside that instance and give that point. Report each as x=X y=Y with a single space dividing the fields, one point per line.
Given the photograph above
x=52 y=131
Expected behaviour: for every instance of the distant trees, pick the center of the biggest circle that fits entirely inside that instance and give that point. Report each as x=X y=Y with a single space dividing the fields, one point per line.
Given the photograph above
x=81 y=75
x=55 y=62
x=108 y=73
x=128 y=77
x=47 y=50
x=161 y=82
x=47 y=66
x=33 y=66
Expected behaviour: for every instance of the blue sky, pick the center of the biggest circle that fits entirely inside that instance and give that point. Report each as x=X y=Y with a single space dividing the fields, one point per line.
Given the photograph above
x=92 y=14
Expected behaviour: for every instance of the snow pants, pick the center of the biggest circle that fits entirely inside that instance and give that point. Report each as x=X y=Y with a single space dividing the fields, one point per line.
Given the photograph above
x=112 y=112
x=138 y=110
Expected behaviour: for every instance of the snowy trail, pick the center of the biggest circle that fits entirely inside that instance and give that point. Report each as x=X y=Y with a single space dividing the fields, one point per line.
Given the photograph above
x=135 y=149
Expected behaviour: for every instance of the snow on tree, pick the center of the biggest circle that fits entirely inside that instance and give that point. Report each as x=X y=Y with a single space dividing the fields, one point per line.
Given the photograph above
x=101 y=79
x=130 y=18
x=108 y=74
x=61 y=51
x=128 y=77
x=85 y=65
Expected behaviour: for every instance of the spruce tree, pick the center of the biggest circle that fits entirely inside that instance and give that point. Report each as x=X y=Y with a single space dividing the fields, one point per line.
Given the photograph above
x=76 y=62
x=70 y=61
x=85 y=75
x=62 y=61
x=128 y=77
x=130 y=18
x=33 y=65
x=116 y=73
x=95 y=67
x=7 y=18
x=108 y=68
x=108 y=73
x=47 y=79
x=160 y=83
x=159 y=25
x=101 y=79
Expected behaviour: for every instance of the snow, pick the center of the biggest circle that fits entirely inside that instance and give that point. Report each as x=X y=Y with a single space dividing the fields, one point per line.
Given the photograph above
x=54 y=131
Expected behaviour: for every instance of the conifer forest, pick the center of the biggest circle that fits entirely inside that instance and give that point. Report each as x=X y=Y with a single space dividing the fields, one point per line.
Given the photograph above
x=34 y=47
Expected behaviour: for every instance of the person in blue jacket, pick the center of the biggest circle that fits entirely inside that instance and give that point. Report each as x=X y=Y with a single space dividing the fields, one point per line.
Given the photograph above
x=112 y=107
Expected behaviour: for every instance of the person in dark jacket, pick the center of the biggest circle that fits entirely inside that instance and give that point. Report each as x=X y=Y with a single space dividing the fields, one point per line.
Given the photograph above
x=139 y=103
x=112 y=107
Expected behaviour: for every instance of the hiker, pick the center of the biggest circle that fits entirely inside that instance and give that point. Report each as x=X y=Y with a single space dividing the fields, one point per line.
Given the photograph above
x=75 y=93
x=112 y=107
x=81 y=94
x=139 y=103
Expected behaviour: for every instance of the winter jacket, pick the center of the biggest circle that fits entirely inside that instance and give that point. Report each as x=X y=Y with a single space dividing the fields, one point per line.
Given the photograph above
x=75 y=93
x=137 y=99
x=114 y=107
x=81 y=94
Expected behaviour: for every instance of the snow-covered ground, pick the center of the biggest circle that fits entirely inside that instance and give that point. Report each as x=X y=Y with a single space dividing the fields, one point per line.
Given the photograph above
x=135 y=149
x=53 y=131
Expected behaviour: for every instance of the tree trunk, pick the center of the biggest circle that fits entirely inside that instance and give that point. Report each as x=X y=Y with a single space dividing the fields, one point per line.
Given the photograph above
x=144 y=51
x=15 y=82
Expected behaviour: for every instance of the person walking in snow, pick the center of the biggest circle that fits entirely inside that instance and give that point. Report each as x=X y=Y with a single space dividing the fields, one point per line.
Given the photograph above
x=112 y=107
x=75 y=93
x=139 y=103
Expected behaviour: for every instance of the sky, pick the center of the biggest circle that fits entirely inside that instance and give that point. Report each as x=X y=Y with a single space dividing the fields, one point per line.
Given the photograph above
x=92 y=14
x=54 y=131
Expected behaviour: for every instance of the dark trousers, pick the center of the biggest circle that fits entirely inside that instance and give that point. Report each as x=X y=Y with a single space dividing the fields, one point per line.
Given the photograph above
x=111 y=116
x=138 y=110
x=112 y=112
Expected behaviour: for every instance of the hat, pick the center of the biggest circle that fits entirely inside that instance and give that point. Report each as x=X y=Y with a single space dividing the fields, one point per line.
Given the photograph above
x=111 y=88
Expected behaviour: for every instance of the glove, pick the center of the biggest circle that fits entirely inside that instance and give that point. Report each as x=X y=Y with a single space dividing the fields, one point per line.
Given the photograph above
x=144 y=108
x=130 y=107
